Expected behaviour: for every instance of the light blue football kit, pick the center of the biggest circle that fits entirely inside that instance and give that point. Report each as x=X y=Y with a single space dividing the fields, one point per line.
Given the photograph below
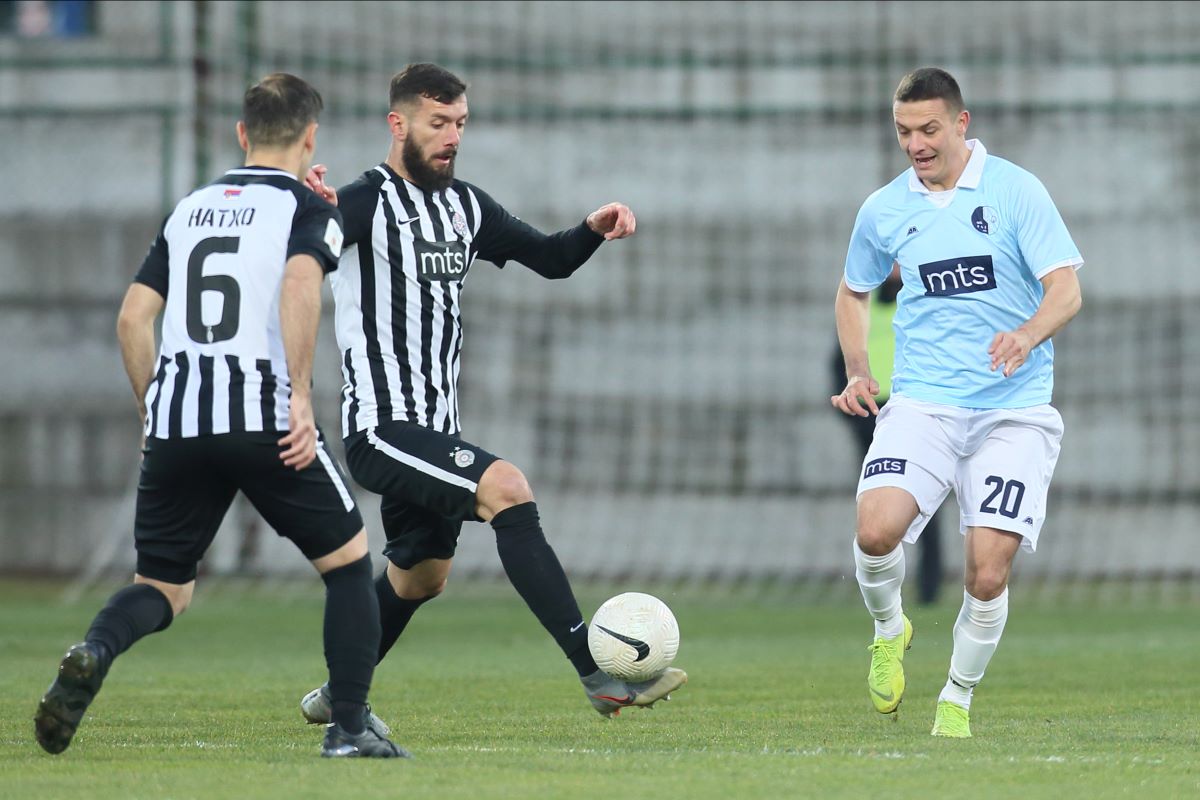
x=970 y=270
x=971 y=260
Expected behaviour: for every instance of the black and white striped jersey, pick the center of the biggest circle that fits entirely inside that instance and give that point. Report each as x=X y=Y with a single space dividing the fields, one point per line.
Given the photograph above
x=218 y=261
x=399 y=288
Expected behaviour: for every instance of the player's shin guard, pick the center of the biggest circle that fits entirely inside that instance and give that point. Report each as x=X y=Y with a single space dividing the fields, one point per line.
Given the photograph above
x=879 y=580
x=133 y=612
x=536 y=574
x=977 y=632
x=351 y=640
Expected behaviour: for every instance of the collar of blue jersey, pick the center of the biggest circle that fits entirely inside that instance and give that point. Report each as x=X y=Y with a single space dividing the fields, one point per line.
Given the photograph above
x=971 y=174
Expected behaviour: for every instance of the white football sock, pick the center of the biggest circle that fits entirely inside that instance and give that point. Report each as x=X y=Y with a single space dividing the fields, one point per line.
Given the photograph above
x=976 y=634
x=880 y=579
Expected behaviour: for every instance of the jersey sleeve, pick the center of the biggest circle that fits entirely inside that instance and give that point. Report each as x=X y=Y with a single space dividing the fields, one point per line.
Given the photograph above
x=316 y=231
x=868 y=264
x=155 y=270
x=357 y=202
x=1042 y=236
x=502 y=237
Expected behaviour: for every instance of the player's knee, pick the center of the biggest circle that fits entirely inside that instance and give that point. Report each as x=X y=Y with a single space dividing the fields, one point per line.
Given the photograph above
x=503 y=486
x=884 y=516
x=422 y=589
x=987 y=583
x=432 y=589
x=873 y=544
x=352 y=551
x=424 y=581
x=875 y=537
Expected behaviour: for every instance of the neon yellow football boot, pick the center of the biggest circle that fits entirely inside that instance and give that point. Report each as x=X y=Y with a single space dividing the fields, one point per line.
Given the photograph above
x=951 y=720
x=886 y=678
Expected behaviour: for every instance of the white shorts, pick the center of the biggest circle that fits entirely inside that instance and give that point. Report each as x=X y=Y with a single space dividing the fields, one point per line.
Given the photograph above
x=999 y=462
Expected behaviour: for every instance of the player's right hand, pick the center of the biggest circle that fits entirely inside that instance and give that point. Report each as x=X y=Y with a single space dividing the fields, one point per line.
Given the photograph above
x=858 y=397
x=300 y=445
x=315 y=180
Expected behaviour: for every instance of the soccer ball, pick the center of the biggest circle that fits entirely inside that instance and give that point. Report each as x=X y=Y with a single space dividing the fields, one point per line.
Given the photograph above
x=633 y=637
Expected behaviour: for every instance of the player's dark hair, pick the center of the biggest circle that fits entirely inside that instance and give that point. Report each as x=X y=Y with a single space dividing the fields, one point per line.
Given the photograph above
x=278 y=109
x=930 y=83
x=425 y=80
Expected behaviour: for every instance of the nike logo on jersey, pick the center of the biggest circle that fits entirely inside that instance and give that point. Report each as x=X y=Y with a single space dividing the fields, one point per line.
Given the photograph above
x=643 y=649
x=406 y=221
x=577 y=627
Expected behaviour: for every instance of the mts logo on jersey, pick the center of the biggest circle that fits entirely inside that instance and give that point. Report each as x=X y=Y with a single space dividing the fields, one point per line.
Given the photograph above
x=958 y=276
x=441 y=261
x=881 y=466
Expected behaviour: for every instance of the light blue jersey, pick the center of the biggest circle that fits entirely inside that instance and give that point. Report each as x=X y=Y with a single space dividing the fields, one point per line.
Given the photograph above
x=971 y=268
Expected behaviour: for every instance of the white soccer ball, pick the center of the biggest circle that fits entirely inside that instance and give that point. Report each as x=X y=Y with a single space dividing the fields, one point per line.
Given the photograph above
x=633 y=637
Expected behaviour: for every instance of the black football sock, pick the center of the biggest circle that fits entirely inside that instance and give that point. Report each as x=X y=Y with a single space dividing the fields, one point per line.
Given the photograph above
x=133 y=612
x=351 y=640
x=538 y=577
x=394 y=613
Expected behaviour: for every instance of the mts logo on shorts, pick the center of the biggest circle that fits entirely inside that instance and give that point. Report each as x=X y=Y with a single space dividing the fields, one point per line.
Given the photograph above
x=441 y=261
x=958 y=276
x=885 y=466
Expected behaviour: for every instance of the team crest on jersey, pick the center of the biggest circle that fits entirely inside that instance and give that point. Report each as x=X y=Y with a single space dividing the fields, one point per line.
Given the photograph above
x=985 y=219
x=460 y=224
x=462 y=458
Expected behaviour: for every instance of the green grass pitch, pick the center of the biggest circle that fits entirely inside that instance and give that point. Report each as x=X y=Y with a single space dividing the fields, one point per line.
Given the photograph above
x=1078 y=703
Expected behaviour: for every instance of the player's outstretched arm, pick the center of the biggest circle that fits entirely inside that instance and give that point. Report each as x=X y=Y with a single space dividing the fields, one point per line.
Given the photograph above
x=613 y=221
x=299 y=318
x=135 y=332
x=555 y=256
x=852 y=311
x=1061 y=302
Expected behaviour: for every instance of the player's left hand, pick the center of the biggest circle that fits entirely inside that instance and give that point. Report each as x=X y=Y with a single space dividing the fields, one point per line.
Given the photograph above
x=300 y=445
x=612 y=221
x=1010 y=348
